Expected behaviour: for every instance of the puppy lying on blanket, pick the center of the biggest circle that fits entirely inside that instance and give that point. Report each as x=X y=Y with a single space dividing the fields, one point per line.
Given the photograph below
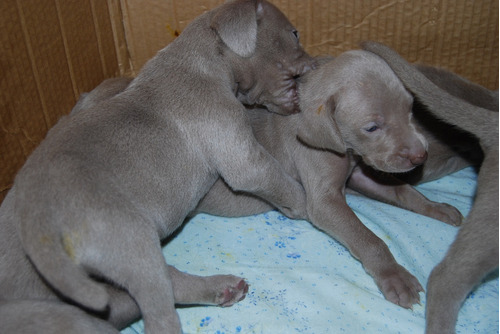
x=355 y=107
x=106 y=185
x=474 y=253
x=450 y=149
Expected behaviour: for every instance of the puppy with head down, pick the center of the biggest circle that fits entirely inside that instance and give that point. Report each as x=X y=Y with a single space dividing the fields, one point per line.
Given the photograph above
x=474 y=253
x=94 y=200
x=355 y=112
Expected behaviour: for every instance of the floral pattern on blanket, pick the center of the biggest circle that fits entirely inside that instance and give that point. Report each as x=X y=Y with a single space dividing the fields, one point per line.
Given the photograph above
x=303 y=281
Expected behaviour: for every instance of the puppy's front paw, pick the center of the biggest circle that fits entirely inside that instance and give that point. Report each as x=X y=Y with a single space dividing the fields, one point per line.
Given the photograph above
x=399 y=286
x=231 y=292
x=446 y=213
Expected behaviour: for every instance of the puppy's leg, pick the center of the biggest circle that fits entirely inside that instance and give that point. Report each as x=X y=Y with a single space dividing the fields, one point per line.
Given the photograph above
x=221 y=201
x=246 y=166
x=323 y=176
x=123 y=310
x=44 y=317
x=150 y=285
x=336 y=218
x=220 y=290
x=390 y=190
x=472 y=255
x=125 y=249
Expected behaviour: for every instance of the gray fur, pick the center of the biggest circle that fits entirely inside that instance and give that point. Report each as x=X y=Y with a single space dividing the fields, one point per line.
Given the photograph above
x=340 y=101
x=450 y=148
x=108 y=183
x=474 y=253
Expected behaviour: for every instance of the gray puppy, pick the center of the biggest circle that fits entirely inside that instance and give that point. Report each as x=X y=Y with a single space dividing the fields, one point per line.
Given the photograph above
x=450 y=149
x=355 y=107
x=96 y=197
x=474 y=253
x=47 y=314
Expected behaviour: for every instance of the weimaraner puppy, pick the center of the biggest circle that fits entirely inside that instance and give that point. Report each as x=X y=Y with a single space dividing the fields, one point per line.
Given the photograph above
x=474 y=253
x=356 y=108
x=21 y=315
x=94 y=200
x=450 y=149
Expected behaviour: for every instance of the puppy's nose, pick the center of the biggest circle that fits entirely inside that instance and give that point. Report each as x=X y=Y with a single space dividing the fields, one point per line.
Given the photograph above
x=418 y=158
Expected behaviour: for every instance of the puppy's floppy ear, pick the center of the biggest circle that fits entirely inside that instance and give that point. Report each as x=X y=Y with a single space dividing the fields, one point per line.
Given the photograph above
x=319 y=129
x=236 y=25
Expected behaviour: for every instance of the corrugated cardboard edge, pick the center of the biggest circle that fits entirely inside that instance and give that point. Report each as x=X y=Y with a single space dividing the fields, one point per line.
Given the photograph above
x=120 y=41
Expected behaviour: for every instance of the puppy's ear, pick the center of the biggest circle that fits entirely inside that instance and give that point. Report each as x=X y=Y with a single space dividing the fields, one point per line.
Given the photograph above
x=319 y=129
x=236 y=25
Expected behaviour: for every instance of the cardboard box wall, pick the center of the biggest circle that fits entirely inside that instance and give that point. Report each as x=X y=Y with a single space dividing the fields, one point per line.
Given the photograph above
x=53 y=50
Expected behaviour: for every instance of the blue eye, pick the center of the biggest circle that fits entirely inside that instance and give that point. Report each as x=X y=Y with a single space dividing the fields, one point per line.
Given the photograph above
x=372 y=129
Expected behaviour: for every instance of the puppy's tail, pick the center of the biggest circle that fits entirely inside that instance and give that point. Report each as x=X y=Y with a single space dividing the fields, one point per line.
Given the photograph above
x=52 y=254
x=482 y=123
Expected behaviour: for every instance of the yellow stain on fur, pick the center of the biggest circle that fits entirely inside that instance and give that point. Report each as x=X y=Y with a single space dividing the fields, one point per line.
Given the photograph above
x=319 y=110
x=69 y=246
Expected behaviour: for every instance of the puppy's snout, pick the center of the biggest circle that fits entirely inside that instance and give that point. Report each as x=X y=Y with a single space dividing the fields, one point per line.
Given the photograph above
x=418 y=158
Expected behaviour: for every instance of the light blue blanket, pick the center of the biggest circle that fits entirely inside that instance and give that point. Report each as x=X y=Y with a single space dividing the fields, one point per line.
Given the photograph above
x=302 y=281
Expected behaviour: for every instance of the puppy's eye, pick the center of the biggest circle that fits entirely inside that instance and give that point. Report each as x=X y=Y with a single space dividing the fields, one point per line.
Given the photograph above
x=372 y=128
x=296 y=34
